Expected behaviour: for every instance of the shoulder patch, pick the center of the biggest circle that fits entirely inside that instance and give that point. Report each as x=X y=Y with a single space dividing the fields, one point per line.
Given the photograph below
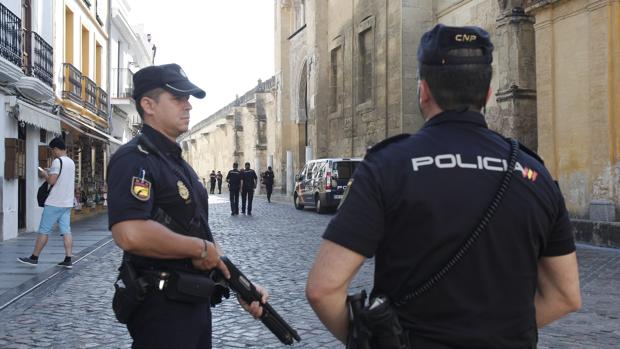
x=390 y=140
x=140 y=188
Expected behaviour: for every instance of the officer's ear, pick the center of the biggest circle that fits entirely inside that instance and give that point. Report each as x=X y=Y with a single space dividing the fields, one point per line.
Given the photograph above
x=147 y=104
x=489 y=94
x=424 y=93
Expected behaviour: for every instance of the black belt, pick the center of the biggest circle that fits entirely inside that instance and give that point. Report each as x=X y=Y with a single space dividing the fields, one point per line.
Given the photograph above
x=154 y=279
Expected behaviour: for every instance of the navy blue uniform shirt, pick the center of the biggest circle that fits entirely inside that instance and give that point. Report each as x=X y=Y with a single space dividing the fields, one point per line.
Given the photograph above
x=139 y=182
x=249 y=179
x=416 y=198
x=234 y=179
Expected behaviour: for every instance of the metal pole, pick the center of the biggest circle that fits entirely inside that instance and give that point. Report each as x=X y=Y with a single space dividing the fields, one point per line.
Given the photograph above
x=258 y=172
x=290 y=184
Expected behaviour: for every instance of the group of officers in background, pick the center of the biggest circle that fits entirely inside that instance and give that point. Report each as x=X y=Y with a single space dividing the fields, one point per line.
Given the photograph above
x=243 y=181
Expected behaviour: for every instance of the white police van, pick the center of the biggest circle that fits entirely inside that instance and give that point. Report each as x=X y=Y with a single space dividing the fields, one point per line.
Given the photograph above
x=322 y=182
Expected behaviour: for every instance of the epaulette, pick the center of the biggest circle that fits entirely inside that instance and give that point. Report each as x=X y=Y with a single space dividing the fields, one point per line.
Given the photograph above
x=384 y=143
x=531 y=153
x=144 y=145
x=527 y=150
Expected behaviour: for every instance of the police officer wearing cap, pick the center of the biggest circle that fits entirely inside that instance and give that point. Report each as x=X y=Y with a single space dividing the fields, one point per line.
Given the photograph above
x=519 y=274
x=233 y=178
x=157 y=212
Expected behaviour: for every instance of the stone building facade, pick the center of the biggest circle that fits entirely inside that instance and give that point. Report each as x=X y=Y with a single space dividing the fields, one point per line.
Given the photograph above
x=346 y=78
x=346 y=70
x=243 y=131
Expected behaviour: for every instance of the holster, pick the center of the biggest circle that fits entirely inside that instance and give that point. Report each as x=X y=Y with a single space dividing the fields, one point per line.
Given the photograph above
x=189 y=287
x=129 y=293
x=375 y=325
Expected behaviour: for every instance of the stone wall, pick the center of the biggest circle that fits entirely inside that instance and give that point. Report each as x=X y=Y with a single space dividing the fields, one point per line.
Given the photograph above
x=577 y=62
x=244 y=130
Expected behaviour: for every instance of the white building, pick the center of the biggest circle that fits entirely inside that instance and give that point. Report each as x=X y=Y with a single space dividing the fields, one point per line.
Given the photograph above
x=130 y=50
x=26 y=105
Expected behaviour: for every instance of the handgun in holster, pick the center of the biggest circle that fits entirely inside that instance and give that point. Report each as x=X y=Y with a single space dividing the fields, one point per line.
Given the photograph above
x=129 y=292
x=244 y=288
x=374 y=326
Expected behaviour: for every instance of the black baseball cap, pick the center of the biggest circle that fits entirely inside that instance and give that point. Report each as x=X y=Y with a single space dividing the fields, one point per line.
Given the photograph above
x=170 y=77
x=436 y=44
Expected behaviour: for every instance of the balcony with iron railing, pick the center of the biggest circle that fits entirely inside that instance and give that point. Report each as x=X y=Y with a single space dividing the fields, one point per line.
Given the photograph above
x=122 y=83
x=10 y=36
x=102 y=103
x=40 y=63
x=72 y=83
x=89 y=94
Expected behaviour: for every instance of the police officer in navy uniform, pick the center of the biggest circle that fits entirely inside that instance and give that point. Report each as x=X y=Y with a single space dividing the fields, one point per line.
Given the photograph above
x=233 y=178
x=148 y=179
x=268 y=181
x=212 y=180
x=219 y=176
x=248 y=184
x=414 y=201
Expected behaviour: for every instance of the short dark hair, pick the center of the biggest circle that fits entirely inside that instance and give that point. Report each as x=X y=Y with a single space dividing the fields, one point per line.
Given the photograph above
x=58 y=143
x=153 y=94
x=235 y=165
x=247 y=164
x=458 y=87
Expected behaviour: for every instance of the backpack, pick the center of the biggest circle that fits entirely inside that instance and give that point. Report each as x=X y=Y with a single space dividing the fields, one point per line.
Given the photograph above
x=44 y=190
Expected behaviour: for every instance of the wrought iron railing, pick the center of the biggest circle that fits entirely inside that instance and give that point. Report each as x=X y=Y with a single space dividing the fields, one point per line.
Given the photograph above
x=102 y=103
x=72 y=83
x=89 y=94
x=10 y=36
x=41 y=60
x=122 y=83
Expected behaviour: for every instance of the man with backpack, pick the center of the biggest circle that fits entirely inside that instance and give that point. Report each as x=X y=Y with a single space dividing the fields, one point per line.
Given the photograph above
x=57 y=205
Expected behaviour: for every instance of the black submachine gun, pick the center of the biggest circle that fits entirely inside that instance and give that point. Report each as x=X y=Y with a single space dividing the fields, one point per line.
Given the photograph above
x=244 y=288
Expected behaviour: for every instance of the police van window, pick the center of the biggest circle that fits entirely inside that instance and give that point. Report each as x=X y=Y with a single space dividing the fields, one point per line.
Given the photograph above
x=344 y=169
x=311 y=170
x=321 y=170
x=303 y=171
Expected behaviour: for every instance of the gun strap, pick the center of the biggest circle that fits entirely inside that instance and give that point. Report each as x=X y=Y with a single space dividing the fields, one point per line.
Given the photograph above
x=482 y=225
x=184 y=177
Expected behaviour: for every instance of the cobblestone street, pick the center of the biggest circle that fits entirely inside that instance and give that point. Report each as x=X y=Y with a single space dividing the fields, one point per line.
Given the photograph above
x=275 y=247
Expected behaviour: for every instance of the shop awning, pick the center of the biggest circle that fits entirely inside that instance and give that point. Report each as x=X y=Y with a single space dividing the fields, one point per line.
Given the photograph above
x=38 y=117
x=92 y=131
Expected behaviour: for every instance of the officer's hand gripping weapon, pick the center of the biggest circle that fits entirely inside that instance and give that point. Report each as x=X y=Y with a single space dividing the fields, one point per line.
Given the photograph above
x=244 y=288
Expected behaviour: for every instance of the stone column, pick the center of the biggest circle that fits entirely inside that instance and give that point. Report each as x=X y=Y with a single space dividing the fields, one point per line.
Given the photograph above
x=516 y=71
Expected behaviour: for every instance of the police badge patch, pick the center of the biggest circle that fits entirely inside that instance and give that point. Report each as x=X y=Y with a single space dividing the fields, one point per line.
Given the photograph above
x=183 y=192
x=140 y=188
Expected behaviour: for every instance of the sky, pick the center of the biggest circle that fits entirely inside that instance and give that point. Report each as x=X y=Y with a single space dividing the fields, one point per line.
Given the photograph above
x=224 y=46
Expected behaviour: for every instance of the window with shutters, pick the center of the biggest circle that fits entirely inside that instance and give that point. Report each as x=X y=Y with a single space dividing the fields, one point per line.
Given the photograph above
x=15 y=160
x=366 y=46
x=336 y=77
